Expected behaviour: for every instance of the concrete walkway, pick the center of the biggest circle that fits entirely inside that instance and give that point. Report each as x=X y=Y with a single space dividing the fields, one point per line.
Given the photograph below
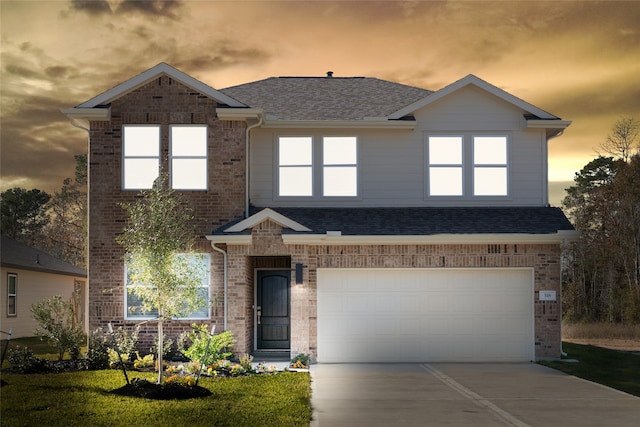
x=463 y=395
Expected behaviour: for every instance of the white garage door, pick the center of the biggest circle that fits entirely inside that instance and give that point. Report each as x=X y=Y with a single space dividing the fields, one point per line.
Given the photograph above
x=419 y=315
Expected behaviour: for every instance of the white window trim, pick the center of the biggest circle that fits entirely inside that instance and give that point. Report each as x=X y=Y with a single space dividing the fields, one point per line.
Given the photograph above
x=468 y=167
x=305 y=165
x=341 y=165
x=125 y=157
x=142 y=317
x=13 y=295
x=452 y=165
x=505 y=166
x=205 y=157
x=317 y=168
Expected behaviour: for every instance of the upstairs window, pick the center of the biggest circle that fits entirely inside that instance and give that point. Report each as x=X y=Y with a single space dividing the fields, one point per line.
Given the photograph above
x=189 y=157
x=340 y=170
x=445 y=166
x=141 y=148
x=467 y=166
x=12 y=293
x=489 y=166
x=317 y=166
x=295 y=166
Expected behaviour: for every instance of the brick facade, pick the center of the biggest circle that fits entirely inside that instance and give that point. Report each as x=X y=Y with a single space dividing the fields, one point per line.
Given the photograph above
x=162 y=102
x=544 y=259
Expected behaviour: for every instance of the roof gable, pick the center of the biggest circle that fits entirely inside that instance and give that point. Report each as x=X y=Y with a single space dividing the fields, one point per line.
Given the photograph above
x=262 y=216
x=151 y=74
x=478 y=82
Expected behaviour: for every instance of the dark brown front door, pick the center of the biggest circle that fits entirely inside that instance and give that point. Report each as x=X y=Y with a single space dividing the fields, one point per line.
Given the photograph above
x=272 y=309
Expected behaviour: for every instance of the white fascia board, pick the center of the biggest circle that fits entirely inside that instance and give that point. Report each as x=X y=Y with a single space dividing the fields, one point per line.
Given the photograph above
x=271 y=123
x=238 y=113
x=263 y=215
x=152 y=73
x=458 y=239
x=478 y=82
x=548 y=124
x=98 y=114
x=236 y=239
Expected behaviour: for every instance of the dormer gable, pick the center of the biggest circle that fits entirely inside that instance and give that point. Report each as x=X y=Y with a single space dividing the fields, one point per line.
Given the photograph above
x=534 y=116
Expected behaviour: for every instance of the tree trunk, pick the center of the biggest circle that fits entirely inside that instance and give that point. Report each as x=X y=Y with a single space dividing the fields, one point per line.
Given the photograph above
x=160 y=347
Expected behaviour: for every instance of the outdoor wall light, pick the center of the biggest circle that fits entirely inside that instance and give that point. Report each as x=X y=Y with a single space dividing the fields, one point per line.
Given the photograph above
x=299 y=268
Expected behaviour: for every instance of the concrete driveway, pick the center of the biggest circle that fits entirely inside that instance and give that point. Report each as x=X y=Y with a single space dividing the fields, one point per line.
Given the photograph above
x=463 y=395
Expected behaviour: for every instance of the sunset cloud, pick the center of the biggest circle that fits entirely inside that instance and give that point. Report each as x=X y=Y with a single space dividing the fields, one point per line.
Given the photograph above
x=575 y=59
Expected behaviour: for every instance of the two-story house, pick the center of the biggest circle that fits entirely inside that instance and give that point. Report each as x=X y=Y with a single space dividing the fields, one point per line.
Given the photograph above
x=355 y=219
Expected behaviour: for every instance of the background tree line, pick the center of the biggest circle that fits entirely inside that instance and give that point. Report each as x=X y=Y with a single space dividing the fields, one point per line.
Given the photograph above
x=602 y=269
x=54 y=223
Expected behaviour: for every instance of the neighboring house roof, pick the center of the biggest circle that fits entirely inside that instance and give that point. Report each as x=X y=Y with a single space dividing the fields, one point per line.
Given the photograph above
x=415 y=221
x=326 y=98
x=18 y=255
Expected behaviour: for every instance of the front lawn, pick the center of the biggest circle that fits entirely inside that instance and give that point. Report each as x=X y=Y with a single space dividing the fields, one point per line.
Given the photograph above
x=84 y=399
x=613 y=368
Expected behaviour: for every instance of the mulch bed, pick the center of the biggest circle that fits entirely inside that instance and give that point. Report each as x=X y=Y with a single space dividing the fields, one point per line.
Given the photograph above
x=149 y=390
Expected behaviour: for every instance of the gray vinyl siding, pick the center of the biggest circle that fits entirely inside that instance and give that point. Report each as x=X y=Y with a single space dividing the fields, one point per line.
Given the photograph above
x=391 y=163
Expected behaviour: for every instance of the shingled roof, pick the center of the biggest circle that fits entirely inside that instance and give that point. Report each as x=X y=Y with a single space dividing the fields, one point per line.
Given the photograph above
x=18 y=255
x=424 y=221
x=326 y=98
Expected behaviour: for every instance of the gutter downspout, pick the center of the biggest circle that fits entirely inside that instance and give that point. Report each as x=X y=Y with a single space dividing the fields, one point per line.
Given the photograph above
x=225 y=281
x=246 y=168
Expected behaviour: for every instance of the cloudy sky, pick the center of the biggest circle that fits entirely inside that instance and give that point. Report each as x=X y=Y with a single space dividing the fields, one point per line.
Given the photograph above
x=579 y=60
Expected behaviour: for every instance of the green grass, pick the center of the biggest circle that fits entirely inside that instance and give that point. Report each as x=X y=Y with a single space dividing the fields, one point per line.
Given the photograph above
x=616 y=369
x=84 y=398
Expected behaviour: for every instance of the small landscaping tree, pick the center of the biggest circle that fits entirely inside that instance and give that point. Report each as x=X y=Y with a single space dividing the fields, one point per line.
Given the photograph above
x=158 y=239
x=57 y=322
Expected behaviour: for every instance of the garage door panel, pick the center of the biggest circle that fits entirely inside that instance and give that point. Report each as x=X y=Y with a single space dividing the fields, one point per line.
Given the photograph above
x=425 y=315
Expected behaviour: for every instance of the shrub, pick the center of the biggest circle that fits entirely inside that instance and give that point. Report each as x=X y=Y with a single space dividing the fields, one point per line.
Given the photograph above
x=126 y=342
x=300 y=361
x=143 y=362
x=167 y=348
x=22 y=360
x=245 y=362
x=57 y=323
x=97 y=357
x=219 y=345
x=114 y=358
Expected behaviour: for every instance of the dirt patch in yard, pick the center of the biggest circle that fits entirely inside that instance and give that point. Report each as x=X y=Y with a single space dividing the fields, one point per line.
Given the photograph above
x=613 y=344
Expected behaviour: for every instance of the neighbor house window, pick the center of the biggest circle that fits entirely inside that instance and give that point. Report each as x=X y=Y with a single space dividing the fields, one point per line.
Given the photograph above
x=489 y=166
x=12 y=283
x=141 y=149
x=189 y=157
x=295 y=166
x=445 y=166
x=134 y=304
x=340 y=166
